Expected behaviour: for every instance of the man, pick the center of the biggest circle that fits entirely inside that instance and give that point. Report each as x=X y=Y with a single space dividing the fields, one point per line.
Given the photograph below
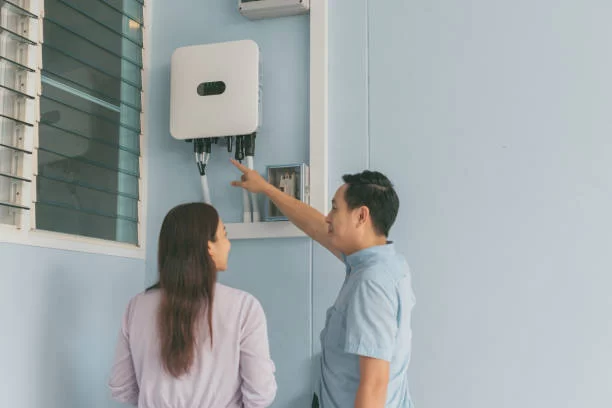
x=366 y=342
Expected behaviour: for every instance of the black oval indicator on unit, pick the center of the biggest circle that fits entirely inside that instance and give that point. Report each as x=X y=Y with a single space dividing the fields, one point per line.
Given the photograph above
x=211 y=88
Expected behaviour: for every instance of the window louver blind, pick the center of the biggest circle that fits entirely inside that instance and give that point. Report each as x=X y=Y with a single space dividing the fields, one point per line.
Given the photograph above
x=19 y=58
x=88 y=146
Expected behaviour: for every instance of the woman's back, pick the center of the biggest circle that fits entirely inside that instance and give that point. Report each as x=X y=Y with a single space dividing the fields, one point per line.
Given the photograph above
x=236 y=372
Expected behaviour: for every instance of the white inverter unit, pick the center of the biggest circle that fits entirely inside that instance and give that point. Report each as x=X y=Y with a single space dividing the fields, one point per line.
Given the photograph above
x=215 y=90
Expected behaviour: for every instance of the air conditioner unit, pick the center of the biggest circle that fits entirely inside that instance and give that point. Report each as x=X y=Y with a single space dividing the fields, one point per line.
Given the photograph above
x=259 y=9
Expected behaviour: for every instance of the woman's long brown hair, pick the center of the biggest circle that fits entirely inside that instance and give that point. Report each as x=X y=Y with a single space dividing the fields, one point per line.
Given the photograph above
x=187 y=277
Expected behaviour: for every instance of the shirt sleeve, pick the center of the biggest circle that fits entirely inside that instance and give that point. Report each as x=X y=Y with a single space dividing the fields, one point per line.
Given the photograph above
x=256 y=366
x=371 y=321
x=123 y=384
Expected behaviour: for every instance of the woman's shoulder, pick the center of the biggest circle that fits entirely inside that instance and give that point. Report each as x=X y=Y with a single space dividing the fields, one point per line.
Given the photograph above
x=227 y=294
x=147 y=296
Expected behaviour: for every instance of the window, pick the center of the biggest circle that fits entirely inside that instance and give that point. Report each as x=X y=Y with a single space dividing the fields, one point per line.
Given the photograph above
x=71 y=84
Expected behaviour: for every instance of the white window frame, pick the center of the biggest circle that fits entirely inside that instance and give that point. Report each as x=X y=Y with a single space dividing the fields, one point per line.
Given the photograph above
x=25 y=234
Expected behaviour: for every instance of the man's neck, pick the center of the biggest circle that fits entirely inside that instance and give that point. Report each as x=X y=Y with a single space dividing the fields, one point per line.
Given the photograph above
x=369 y=243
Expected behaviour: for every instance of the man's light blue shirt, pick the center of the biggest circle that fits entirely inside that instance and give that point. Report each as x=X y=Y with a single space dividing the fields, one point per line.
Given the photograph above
x=371 y=317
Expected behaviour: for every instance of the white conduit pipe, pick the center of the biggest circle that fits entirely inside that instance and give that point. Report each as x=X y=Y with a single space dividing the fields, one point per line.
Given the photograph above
x=256 y=215
x=205 y=189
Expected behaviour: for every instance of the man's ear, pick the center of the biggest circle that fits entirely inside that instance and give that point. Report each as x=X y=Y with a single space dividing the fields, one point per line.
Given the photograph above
x=363 y=215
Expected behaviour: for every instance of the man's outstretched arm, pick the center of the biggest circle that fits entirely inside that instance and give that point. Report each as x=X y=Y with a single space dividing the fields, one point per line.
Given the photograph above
x=303 y=216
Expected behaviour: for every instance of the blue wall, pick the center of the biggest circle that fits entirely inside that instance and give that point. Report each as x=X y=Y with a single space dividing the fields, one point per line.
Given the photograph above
x=492 y=121
x=60 y=314
x=504 y=177
x=503 y=113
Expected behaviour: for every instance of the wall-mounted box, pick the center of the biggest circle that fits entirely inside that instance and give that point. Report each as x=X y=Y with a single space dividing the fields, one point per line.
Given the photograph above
x=215 y=90
x=292 y=179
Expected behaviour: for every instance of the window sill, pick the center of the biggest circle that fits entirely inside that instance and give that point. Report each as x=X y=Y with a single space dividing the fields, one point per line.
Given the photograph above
x=66 y=242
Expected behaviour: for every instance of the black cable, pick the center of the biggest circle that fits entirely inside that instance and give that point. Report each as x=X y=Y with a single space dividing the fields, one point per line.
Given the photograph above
x=249 y=144
x=198 y=149
x=239 y=154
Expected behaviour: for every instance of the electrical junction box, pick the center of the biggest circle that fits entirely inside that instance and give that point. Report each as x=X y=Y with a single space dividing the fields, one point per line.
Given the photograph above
x=258 y=9
x=291 y=179
x=215 y=90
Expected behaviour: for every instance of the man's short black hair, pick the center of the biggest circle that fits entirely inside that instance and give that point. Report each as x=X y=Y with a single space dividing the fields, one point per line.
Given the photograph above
x=375 y=191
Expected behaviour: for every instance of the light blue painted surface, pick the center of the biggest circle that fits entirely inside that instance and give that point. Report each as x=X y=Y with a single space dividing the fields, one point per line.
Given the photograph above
x=60 y=314
x=505 y=188
x=278 y=274
x=502 y=110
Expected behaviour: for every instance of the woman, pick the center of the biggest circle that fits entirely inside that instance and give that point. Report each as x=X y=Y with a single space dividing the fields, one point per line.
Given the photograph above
x=189 y=341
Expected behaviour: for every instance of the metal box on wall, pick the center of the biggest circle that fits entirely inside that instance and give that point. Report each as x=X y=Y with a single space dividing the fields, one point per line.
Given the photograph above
x=292 y=179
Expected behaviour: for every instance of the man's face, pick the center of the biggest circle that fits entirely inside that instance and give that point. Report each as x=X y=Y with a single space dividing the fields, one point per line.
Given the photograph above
x=342 y=222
